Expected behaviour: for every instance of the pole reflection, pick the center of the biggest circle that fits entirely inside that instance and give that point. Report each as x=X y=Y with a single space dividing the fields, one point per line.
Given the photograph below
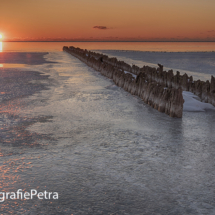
x=1 y=46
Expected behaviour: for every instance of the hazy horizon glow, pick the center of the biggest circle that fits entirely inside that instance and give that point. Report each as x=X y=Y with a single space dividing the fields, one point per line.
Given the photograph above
x=113 y=20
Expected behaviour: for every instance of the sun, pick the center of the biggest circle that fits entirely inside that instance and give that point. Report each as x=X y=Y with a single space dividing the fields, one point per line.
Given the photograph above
x=1 y=36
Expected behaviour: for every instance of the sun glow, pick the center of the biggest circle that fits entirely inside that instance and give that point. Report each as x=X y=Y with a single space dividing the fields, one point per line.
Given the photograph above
x=1 y=36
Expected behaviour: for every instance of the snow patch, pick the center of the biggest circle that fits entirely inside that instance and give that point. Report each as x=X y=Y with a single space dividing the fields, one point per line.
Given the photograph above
x=131 y=74
x=192 y=104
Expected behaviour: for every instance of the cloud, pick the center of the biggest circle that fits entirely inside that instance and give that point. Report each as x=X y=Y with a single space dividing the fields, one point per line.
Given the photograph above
x=100 y=27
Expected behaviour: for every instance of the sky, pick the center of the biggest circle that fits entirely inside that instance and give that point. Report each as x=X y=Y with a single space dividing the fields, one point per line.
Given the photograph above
x=110 y=20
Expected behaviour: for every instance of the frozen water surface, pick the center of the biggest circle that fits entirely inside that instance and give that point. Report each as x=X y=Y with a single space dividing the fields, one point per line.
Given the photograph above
x=66 y=128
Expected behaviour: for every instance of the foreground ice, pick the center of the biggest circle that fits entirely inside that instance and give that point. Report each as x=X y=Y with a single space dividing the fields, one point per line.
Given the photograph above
x=104 y=150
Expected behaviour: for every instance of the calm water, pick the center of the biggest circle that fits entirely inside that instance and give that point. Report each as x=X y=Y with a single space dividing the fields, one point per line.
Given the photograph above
x=132 y=46
x=65 y=128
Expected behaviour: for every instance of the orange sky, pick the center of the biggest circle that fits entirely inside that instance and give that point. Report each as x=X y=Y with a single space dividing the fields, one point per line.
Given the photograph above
x=115 y=20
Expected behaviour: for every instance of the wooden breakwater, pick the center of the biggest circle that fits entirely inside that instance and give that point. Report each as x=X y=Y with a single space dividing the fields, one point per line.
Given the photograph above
x=160 y=89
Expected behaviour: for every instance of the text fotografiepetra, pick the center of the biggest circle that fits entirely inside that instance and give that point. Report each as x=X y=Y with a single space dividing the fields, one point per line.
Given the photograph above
x=20 y=194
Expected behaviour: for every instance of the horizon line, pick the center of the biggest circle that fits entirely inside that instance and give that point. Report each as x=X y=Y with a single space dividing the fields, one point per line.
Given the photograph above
x=108 y=41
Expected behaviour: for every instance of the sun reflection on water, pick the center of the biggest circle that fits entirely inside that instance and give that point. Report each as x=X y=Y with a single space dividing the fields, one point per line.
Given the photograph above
x=1 y=46
x=11 y=65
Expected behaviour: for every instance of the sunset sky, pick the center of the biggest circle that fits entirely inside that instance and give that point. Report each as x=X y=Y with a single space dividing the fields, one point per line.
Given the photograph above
x=154 y=20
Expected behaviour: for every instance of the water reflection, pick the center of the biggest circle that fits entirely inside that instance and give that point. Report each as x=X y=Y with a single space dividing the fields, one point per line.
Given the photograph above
x=11 y=65
x=1 y=46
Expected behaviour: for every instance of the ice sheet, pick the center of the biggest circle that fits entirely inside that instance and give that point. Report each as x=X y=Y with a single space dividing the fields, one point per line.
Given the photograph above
x=104 y=150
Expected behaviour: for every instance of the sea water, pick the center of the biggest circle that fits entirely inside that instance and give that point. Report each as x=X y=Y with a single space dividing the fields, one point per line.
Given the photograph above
x=66 y=128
